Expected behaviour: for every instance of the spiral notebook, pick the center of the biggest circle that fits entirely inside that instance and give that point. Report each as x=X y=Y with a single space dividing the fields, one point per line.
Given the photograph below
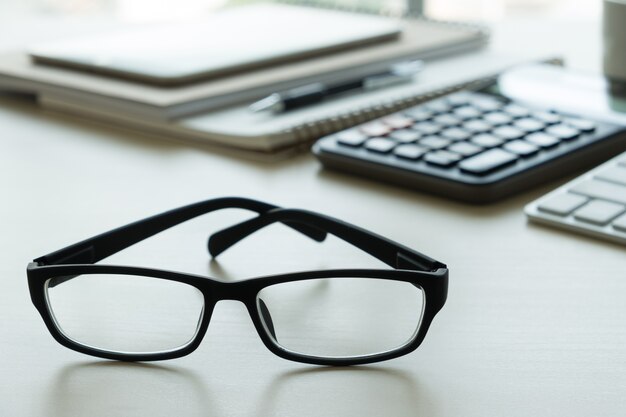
x=237 y=127
x=216 y=111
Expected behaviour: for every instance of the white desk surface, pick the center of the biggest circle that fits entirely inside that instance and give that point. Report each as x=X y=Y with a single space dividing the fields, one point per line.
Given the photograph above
x=535 y=323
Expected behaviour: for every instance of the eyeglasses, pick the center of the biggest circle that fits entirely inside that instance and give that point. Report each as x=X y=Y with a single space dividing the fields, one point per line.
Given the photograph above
x=328 y=317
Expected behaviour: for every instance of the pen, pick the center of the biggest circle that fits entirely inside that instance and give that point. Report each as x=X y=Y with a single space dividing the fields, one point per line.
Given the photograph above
x=305 y=95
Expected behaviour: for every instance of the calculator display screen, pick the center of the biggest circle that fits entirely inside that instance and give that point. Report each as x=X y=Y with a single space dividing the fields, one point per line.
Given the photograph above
x=559 y=88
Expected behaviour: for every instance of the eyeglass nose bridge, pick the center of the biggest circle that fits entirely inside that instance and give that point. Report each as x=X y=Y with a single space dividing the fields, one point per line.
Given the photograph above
x=234 y=291
x=240 y=291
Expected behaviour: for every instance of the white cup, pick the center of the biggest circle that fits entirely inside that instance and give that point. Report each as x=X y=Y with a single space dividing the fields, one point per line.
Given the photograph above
x=614 y=39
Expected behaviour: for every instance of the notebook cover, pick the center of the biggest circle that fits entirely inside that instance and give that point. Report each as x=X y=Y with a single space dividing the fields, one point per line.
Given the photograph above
x=420 y=38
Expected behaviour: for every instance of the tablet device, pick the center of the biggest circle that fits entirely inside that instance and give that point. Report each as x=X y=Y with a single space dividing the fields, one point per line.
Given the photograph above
x=233 y=40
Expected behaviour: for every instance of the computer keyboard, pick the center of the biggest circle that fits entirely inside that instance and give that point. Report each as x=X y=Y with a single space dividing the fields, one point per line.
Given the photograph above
x=472 y=146
x=593 y=204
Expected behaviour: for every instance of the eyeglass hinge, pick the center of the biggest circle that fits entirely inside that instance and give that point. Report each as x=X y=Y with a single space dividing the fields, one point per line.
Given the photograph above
x=83 y=255
x=403 y=261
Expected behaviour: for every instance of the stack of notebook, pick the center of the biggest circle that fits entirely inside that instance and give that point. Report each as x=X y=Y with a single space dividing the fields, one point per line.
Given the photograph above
x=195 y=80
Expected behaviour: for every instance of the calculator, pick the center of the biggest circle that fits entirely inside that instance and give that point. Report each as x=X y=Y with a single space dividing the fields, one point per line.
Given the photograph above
x=482 y=145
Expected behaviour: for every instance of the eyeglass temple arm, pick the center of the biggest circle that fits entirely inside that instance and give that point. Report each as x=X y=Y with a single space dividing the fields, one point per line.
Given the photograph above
x=106 y=244
x=389 y=252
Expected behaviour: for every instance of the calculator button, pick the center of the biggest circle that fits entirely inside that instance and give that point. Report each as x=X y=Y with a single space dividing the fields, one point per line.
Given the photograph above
x=454 y=133
x=487 y=103
x=397 y=121
x=465 y=148
x=434 y=142
x=516 y=110
x=405 y=135
x=427 y=128
x=438 y=106
x=528 y=124
x=521 y=148
x=419 y=114
x=562 y=204
x=351 y=138
x=460 y=98
x=581 y=124
x=542 y=139
x=547 y=117
x=380 y=145
x=409 y=151
x=476 y=126
x=488 y=161
x=442 y=158
x=599 y=212
x=563 y=131
x=375 y=129
x=467 y=112
x=487 y=141
x=497 y=118
x=508 y=132
x=447 y=120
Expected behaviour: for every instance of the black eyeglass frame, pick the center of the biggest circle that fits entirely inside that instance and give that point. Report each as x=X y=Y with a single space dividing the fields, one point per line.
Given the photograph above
x=413 y=267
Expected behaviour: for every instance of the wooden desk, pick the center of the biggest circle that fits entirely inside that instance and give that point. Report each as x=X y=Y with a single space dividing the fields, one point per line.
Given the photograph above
x=535 y=322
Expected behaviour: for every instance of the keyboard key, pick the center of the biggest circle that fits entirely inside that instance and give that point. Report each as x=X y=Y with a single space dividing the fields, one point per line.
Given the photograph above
x=620 y=223
x=375 y=129
x=508 y=132
x=497 y=118
x=521 y=148
x=563 y=131
x=542 y=139
x=477 y=126
x=547 y=117
x=351 y=138
x=427 y=128
x=419 y=114
x=442 y=158
x=487 y=141
x=581 y=124
x=615 y=173
x=516 y=110
x=528 y=124
x=599 y=212
x=601 y=189
x=434 y=142
x=380 y=145
x=397 y=121
x=467 y=112
x=465 y=148
x=562 y=204
x=405 y=135
x=454 y=133
x=447 y=120
x=487 y=162
x=409 y=151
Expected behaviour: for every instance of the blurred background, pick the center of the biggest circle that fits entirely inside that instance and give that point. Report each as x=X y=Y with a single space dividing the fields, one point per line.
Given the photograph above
x=154 y=10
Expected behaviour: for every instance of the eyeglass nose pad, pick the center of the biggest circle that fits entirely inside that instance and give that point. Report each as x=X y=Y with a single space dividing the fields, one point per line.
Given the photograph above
x=267 y=318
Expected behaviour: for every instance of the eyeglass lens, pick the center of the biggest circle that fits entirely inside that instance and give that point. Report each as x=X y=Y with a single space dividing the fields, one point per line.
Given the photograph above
x=341 y=317
x=126 y=313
